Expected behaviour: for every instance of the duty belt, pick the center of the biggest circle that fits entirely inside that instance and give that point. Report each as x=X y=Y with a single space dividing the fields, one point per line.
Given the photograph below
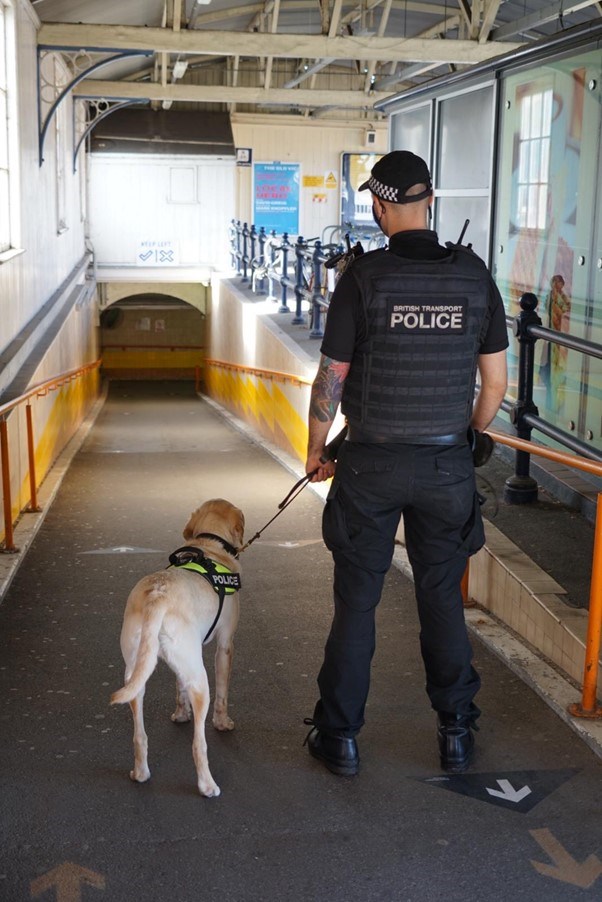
x=355 y=434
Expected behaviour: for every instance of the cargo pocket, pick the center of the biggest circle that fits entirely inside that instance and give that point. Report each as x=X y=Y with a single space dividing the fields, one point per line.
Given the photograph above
x=334 y=523
x=473 y=532
x=453 y=466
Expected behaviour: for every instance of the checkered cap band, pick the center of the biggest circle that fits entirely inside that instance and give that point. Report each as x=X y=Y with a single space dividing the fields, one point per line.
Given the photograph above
x=383 y=191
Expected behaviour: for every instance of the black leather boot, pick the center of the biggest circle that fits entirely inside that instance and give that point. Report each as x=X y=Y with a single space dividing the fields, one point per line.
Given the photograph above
x=456 y=742
x=338 y=753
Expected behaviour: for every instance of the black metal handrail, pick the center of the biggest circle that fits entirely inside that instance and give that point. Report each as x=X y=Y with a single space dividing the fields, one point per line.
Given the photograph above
x=295 y=266
x=524 y=415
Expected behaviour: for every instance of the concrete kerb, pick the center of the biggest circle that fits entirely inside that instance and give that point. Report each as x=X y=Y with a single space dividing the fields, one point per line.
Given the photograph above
x=30 y=521
x=549 y=684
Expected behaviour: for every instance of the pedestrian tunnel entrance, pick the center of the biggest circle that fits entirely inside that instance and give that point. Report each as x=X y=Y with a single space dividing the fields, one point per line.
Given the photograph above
x=152 y=336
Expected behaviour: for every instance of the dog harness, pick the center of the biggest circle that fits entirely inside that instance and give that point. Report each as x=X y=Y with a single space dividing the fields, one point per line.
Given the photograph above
x=223 y=581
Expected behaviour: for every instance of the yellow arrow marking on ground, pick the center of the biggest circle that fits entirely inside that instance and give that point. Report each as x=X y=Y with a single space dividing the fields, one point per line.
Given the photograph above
x=67 y=879
x=565 y=867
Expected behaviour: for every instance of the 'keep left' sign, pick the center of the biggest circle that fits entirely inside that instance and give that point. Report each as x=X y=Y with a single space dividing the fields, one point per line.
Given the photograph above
x=152 y=252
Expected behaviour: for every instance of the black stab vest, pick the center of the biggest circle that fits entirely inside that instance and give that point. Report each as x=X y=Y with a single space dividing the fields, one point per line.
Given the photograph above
x=413 y=378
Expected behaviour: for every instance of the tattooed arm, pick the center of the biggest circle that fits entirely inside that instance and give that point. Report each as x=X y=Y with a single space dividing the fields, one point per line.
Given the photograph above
x=326 y=394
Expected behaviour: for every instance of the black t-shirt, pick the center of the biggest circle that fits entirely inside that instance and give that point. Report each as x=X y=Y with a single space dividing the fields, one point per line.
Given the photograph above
x=345 y=325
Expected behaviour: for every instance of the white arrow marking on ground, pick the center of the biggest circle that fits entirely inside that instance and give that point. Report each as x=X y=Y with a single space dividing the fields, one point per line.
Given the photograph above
x=508 y=792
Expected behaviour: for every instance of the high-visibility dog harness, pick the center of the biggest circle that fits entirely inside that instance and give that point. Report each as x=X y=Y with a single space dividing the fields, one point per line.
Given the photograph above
x=223 y=580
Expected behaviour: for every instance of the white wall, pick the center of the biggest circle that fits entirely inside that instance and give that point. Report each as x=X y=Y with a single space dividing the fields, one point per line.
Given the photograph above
x=317 y=145
x=185 y=203
x=28 y=279
x=46 y=263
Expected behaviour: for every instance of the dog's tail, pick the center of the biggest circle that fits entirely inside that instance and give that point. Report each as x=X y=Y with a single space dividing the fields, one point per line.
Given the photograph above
x=146 y=656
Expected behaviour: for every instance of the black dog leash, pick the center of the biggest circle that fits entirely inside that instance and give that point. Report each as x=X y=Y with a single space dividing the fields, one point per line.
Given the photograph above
x=481 y=444
x=330 y=453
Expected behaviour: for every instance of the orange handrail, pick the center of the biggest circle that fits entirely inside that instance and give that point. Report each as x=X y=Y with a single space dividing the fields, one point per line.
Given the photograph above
x=587 y=707
x=257 y=371
x=562 y=457
x=163 y=347
x=42 y=388
x=39 y=390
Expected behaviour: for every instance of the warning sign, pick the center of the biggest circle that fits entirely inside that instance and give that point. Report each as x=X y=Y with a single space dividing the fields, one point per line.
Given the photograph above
x=313 y=181
x=330 y=180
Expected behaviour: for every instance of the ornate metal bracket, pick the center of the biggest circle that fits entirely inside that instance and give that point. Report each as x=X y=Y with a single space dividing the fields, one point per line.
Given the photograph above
x=96 y=109
x=51 y=95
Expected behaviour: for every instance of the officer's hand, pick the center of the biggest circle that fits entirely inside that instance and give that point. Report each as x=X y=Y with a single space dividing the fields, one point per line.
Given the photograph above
x=481 y=445
x=323 y=470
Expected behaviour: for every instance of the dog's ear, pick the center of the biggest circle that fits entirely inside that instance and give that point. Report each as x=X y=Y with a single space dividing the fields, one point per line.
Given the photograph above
x=238 y=526
x=189 y=530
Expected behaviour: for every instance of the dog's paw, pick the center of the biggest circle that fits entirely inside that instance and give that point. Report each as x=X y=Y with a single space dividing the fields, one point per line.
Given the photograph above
x=222 y=722
x=140 y=775
x=181 y=715
x=209 y=789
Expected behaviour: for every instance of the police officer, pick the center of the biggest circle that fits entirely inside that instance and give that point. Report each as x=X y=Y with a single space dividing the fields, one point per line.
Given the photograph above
x=407 y=329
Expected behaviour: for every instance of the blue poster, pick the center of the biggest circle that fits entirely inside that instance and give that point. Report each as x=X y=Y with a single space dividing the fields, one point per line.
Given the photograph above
x=276 y=197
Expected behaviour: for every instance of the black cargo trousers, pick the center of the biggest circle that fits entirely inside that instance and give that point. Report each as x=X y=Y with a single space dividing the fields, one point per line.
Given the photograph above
x=433 y=487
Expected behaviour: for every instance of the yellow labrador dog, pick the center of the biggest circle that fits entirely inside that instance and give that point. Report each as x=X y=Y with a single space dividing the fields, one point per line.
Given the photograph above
x=170 y=615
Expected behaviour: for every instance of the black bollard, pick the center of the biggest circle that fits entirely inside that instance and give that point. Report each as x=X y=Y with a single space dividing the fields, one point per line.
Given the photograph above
x=317 y=331
x=238 y=250
x=271 y=266
x=245 y=252
x=521 y=488
x=261 y=239
x=299 y=319
x=285 y=249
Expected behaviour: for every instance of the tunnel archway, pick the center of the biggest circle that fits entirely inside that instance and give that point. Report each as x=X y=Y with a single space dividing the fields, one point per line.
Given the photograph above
x=151 y=336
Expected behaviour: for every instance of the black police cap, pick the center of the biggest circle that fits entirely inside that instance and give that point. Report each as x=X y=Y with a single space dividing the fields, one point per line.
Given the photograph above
x=395 y=173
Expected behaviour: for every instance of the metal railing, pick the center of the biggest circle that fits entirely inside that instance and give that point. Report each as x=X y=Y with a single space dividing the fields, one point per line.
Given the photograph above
x=588 y=706
x=297 y=267
x=150 y=347
x=524 y=415
x=253 y=371
x=39 y=390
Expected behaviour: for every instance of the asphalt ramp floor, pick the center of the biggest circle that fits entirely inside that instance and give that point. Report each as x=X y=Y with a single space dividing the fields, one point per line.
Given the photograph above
x=523 y=824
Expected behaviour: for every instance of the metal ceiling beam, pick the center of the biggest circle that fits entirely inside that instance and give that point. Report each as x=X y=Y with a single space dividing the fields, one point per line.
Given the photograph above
x=405 y=74
x=382 y=25
x=317 y=67
x=273 y=29
x=218 y=94
x=489 y=15
x=234 y=12
x=533 y=20
x=57 y=36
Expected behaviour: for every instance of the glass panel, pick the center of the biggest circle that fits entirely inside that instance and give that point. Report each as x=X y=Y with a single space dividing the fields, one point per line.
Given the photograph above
x=523 y=162
x=452 y=212
x=545 y=161
x=411 y=131
x=546 y=225
x=465 y=138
